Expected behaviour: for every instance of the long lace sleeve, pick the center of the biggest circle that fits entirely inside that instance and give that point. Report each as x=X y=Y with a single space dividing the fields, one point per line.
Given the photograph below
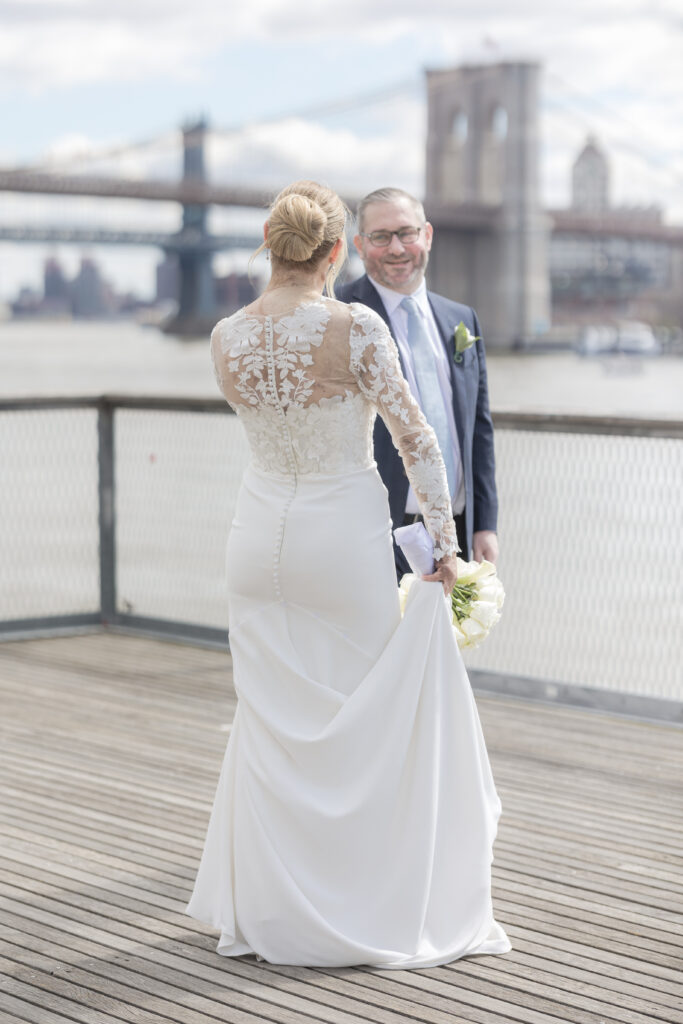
x=376 y=367
x=216 y=350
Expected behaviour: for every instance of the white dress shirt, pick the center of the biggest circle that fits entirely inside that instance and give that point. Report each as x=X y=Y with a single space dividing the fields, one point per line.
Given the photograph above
x=398 y=318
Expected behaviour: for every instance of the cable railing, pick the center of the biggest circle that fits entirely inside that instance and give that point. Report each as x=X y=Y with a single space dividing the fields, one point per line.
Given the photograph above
x=115 y=512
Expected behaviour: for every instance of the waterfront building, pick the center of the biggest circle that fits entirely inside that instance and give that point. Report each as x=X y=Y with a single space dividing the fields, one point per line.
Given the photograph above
x=234 y=291
x=610 y=262
x=56 y=289
x=168 y=279
x=590 y=179
x=90 y=296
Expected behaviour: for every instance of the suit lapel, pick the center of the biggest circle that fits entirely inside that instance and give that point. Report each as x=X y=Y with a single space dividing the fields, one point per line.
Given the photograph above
x=364 y=291
x=446 y=326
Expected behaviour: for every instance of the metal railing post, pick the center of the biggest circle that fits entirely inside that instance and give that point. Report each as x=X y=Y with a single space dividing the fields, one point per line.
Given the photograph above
x=107 y=511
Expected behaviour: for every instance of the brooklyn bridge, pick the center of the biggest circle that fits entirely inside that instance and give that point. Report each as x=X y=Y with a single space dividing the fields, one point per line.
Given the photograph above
x=482 y=195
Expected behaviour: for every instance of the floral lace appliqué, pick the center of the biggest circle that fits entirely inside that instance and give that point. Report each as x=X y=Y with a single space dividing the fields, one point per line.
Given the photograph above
x=308 y=402
x=376 y=366
x=334 y=436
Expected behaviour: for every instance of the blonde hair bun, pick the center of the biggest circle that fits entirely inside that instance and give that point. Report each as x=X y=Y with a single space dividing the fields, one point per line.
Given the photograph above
x=305 y=223
x=296 y=228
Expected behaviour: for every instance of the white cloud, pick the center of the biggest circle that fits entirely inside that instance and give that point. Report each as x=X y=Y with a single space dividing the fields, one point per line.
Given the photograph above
x=271 y=155
x=71 y=53
x=56 y=42
x=610 y=67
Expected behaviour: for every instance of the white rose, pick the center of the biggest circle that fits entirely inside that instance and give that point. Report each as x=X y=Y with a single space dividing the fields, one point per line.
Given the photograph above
x=485 y=613
x=486 y=569
x=473 y=630
x=470 y=572
x=465 y=569
x=492 y=590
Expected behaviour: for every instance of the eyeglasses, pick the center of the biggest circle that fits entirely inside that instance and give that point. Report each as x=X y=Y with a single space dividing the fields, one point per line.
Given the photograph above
x=382 y=239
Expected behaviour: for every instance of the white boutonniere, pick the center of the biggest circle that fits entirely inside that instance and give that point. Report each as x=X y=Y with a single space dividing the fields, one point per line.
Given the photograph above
x=462 y=341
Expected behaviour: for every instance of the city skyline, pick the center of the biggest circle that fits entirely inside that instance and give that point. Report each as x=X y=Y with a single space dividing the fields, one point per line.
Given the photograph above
x=89 y=294
x=65 y=88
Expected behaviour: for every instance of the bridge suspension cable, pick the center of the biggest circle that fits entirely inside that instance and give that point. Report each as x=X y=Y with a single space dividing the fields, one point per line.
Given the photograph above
x=574 y=102
x=171 y=137
x=327 y=109
x=91 y=154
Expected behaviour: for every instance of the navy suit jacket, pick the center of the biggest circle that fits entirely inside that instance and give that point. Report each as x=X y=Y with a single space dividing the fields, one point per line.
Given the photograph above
x=470 y=408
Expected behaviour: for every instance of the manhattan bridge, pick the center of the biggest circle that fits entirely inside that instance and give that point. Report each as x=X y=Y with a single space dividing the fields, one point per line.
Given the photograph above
x=193 y=243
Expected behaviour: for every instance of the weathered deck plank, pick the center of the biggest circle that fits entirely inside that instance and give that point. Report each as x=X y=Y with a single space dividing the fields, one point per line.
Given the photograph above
x=110 y=753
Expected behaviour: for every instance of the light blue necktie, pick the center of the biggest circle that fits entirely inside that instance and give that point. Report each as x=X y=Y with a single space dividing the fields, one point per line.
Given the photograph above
x=427 y=379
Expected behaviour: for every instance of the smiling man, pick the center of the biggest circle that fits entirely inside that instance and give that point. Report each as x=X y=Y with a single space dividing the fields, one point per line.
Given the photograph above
x=442 y=355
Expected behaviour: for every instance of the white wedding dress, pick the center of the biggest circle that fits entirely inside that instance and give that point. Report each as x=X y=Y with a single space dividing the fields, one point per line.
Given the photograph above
x=356 y=812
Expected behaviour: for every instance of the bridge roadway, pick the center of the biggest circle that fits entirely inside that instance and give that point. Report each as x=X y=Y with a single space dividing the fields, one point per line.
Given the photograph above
x=180 y=241
x=462 y=216
x=197 y=193
x=187 y=192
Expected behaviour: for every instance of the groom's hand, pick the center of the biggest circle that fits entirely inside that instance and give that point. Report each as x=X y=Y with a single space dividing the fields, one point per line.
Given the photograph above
x=485 y=546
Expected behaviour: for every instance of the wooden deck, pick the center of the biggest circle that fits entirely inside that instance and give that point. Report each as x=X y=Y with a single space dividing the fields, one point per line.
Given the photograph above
x=110 y=753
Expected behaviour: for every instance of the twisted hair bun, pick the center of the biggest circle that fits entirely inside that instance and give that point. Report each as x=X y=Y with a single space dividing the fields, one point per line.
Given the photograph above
x=305 y=223
x=296 y=228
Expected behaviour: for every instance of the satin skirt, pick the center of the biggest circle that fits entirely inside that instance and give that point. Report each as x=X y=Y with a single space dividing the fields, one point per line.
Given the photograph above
x=355 y=813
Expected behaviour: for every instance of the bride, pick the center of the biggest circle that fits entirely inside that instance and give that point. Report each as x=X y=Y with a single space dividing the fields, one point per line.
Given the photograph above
x=355 y=812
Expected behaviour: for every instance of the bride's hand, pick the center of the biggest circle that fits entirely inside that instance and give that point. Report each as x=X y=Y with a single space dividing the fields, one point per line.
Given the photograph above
x=446 y=572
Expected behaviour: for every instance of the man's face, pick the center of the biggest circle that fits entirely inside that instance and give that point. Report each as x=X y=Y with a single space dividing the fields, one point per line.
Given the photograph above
x=399 y=265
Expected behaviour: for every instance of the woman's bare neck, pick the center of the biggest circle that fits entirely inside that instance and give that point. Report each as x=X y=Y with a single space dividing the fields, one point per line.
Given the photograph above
x=286 y=290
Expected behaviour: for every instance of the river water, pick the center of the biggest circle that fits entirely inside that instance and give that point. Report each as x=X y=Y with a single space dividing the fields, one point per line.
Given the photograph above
x=590 y=527
x=79 y=358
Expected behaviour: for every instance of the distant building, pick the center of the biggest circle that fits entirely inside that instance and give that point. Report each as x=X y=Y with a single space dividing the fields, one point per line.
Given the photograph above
x=168 y=279
x=27 y=303
x=590 y=179
x=609 y=262
x=87 y=296
x=90 y=297
x=56 y=289
x=234 y=291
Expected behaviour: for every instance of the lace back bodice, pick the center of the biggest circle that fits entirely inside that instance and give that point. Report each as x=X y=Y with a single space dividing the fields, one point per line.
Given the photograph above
x=307 y=385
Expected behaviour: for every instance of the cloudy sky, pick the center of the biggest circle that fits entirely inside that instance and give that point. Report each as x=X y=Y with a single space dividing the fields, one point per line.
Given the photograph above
x=315 y=88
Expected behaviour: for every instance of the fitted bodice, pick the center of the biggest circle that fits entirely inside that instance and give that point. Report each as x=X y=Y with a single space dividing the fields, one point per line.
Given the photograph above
x=307 y=385
x=329 y=437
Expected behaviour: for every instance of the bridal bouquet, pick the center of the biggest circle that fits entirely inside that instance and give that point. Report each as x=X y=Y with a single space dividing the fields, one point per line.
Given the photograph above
x=476 y=598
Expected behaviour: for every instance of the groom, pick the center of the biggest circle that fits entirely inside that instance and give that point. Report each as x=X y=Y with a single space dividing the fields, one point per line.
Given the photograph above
x=446 y=376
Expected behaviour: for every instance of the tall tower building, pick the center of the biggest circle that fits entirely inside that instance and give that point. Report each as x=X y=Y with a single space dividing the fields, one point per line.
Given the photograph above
x=590 y=179
x=56 y=289
x=55 y=284
x=88 y=293
x=168 y=279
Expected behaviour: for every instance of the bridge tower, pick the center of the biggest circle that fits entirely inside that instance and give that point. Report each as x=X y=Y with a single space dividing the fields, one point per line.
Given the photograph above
x=197 y=302
x=483 y=197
